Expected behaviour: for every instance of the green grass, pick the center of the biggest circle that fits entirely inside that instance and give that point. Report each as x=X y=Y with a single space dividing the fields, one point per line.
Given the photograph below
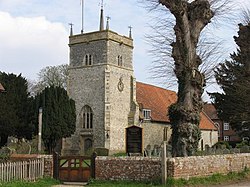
x=47 y=182
x=198 y=181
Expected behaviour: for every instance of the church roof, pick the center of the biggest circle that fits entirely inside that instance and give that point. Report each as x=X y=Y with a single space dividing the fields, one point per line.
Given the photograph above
x=210 y=110
x=158 y=100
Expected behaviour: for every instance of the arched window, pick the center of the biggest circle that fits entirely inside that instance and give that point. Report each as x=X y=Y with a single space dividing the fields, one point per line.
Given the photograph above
x=87 y=117
x=119 y=58
x=88 y=60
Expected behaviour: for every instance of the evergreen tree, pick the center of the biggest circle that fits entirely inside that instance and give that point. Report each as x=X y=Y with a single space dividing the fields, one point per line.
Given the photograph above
x=58 y=119
x=234 y=78
x=15 y=108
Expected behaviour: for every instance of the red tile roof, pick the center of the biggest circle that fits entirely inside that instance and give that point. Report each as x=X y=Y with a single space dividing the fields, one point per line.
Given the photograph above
x=1 y=88
x=158 y=100
x=210 y=110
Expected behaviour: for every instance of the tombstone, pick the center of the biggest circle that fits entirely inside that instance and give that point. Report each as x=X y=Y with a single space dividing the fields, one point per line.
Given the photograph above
x=11 y=140
x=5 y=152
x=101 y=151
x=169 y=150
x=218 y=151
x=235 y=150
x=207 y=147
x=134 y=140
x=156 y=150
x=226 y=151
x=244 y=149
x=148 y=150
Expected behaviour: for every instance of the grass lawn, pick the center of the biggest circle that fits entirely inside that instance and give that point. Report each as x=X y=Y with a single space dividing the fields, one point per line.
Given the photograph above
x=47 y=182
x=215 y=179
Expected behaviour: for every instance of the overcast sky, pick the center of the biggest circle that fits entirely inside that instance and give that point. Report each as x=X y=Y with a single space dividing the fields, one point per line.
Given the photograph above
x=34 y=33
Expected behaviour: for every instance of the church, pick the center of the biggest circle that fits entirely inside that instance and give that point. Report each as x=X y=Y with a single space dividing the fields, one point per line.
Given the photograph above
x=110 y=105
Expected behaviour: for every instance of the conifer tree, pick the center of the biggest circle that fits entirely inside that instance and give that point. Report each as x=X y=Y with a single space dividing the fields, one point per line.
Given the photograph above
x=234 y=78
x=15 y=108
x=58 y=119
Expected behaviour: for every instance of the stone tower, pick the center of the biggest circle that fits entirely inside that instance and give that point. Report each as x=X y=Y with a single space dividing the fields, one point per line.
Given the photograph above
x=102 y=83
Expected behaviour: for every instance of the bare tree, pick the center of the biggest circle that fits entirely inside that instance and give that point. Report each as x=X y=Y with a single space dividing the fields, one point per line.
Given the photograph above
x=50 y=76
x=183 y=35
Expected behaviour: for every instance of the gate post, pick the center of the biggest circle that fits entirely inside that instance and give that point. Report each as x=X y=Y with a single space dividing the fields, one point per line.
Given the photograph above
x=55 y=165
x=164 y=163
x=93 y=157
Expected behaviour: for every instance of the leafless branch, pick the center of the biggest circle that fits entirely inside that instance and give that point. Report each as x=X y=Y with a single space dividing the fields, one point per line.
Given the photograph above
x=209 y=48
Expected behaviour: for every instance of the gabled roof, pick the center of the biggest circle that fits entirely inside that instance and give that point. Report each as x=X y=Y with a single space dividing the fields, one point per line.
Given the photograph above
x=210 y=110
x=159 y=99
x=1 y=88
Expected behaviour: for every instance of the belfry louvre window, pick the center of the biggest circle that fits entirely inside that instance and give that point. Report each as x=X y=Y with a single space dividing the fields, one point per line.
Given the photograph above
x=87 y=118
x=88 y=60
x=146 y=114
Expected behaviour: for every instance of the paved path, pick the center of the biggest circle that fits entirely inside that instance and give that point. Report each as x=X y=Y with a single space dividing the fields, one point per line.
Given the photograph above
x=70 y=184
x=238 y=184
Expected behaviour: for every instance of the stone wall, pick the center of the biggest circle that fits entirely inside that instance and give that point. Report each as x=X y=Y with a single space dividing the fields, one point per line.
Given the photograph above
x=48 y=161
x=128 y=168
x=201 y=166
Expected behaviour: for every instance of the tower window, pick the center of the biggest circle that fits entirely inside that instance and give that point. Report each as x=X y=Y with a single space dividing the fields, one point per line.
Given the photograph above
x=119 y=60
x=88 y=60
x=87 y=117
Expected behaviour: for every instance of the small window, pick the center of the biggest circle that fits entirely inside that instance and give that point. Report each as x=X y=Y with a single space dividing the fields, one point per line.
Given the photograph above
x=119 y=60
x=226 y=126
x=226 y=138
x=88 y=60
x=147 y=114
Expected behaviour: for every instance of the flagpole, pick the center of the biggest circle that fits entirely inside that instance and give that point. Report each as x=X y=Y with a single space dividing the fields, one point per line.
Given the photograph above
x=82 y=16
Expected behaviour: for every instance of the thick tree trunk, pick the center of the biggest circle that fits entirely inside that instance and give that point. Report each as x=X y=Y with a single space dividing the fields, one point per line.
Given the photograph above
x=184 y=115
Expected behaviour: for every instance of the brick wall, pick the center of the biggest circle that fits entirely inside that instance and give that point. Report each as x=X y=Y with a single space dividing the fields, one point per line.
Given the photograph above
x=198 y=166
x=128 y=168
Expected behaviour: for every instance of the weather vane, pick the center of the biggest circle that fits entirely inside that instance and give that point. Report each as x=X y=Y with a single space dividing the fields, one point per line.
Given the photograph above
x=102 y=4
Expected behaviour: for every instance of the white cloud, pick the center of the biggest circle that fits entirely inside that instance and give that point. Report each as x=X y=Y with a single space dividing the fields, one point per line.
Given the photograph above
x=29 y=44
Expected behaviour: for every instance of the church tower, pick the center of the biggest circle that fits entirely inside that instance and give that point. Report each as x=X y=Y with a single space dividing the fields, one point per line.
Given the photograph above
x=102 y=83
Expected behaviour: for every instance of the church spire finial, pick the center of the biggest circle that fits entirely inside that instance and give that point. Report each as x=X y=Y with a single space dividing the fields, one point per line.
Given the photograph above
x=107 y=24
x=130 y=31
x=101 y=17
x=71 y=29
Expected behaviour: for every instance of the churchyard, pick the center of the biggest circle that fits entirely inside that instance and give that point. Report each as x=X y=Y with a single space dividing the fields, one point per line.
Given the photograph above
x=148 y=169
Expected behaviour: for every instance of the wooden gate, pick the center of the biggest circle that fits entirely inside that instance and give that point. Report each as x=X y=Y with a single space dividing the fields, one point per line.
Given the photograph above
x=74 y=168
